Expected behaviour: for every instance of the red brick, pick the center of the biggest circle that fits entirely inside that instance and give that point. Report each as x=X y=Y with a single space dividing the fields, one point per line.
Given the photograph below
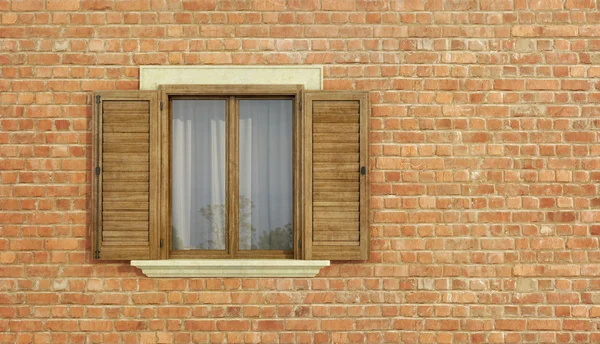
x=301 y=325
x=62 y=5
x=193 y=5
x=511 y=325
x=27 y=5
x=580 y=4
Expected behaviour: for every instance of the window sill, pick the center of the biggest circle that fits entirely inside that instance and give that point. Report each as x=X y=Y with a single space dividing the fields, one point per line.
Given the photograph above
x=230 y=267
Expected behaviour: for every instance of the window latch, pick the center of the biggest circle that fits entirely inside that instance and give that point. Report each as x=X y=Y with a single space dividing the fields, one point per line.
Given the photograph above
x=161 y=243
x=363 y=170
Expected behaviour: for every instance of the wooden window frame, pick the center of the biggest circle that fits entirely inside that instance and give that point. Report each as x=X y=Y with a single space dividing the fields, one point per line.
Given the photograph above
x=232 y=93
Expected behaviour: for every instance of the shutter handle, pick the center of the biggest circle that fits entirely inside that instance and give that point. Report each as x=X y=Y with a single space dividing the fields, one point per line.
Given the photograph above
x=363 y=170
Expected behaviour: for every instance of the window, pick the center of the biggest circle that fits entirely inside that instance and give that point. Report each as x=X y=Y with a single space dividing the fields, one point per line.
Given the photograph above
x=230 y=172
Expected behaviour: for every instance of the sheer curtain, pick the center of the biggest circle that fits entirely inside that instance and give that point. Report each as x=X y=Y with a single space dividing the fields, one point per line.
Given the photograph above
x=265 y=170
x=198 y=178
x=265 y=174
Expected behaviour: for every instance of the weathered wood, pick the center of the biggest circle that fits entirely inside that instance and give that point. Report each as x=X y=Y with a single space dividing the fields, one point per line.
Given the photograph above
x=122 y=206
x=126 y=225
x=336 y=226
x=125 y=235
x=337 y=176
x=326 y=215
x=114 y=215
x=127 y=148
x=334 y=118
x=118 y=128
x=126 y=106
x=337 y=223
x=126 y=137
x=110 y=166
x=336 y=138
x=124 y=199
x=139 y=158
x=332 y=157
x=127 y=176
x=336 y=236
x=126 y=196
x=126 y=119
x=335 y=128
x=340 y=196
x=327 y=147
x=125 y=187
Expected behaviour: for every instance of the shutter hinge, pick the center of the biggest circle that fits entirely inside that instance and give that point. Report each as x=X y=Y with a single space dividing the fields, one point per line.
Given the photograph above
x=161 y=106
x=162 y=242
x=97 y=254
x=363 y=170
x=300 y=105
x=97 y=99
x=300 y=243
x=97 y=170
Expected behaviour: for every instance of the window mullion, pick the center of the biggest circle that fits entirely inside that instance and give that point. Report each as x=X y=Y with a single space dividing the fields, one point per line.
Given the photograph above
x=232 y=216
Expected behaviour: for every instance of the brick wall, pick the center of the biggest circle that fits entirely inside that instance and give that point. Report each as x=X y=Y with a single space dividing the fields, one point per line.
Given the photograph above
x=485 y=173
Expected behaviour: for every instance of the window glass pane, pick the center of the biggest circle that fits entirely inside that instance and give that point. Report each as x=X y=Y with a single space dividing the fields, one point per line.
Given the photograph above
x=198 y=163
x=265 y=214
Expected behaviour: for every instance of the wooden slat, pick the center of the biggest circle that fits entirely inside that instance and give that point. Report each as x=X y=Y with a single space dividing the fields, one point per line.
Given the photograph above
x=126 y=137
x=327 y=214
x=126 y=176
x=337 y=154
x=125 y=225
x=335 y=226
x=331 y=157
x=107 y=206
x=330 y=167
x=125 y=187
x=341 y=249
x=336 y=206
x=335 y=118
x=335 y=138
x=318 y=175
x=126 y=119
x=335 y=196
x=126 y=148
x=336 y=148
x=342 y=106
x=335 y=128
x=138 y=158
x=336 y=236
x=126 y=106
x=118 y=128
x=127 y=235
x=347 y=186
x=125 y=244
x=122 y=137
x=125 y=215
x=117 y=167
x=126 y=196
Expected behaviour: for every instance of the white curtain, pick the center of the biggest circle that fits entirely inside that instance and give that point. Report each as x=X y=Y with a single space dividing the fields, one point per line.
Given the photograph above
x=198 y=178
x=265 y=171
x=265 y=174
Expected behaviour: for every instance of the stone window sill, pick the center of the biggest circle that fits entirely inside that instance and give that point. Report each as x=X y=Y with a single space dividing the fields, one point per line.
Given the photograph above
x=230 y=267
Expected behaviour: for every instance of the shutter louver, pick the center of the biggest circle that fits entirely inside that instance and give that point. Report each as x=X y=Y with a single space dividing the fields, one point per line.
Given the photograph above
x=337 y=204
x=125 y=175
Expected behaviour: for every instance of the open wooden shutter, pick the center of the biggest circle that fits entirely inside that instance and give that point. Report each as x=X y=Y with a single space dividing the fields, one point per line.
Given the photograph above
x=336 y=192
x=125 y=175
